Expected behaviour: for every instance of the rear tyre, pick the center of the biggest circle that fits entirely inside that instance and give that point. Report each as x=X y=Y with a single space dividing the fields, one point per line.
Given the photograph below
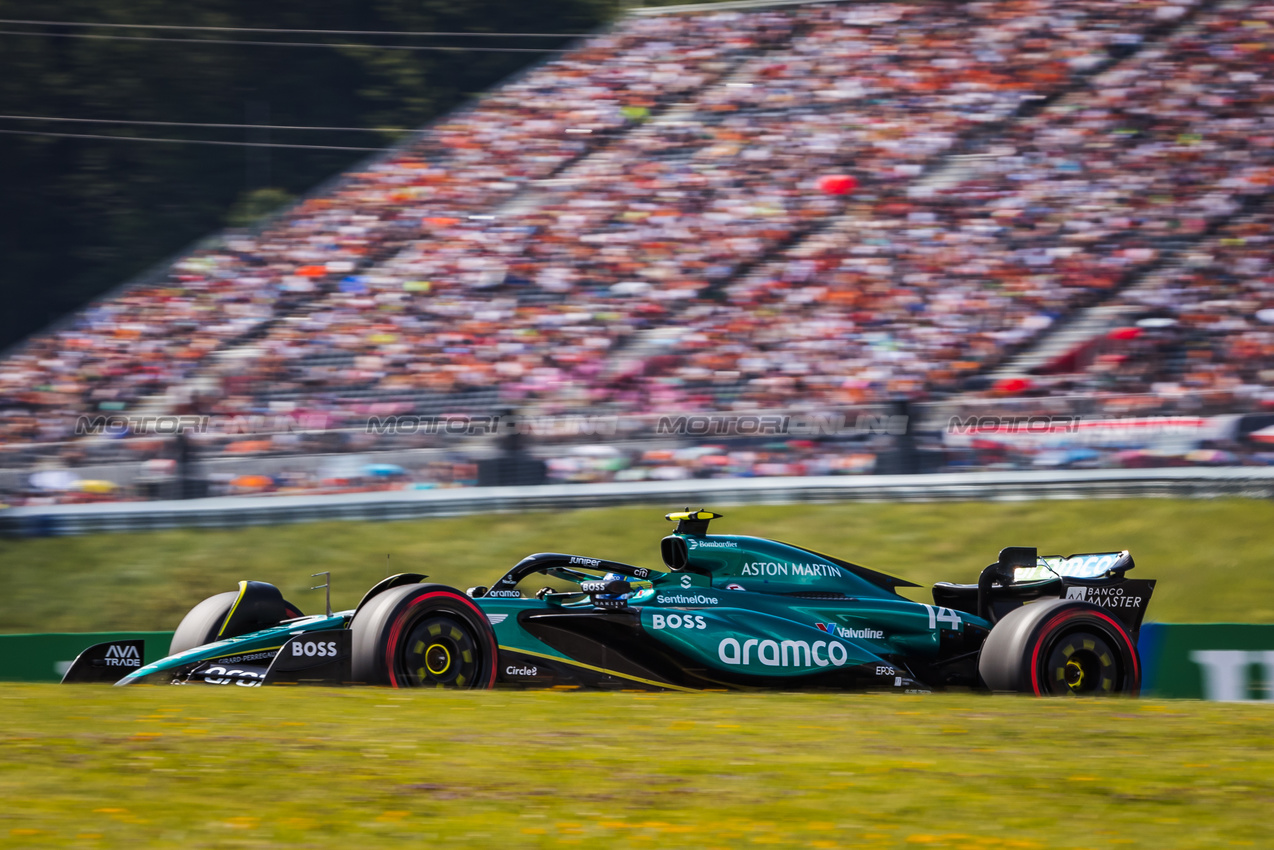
x=423 y=636
x=200 y=626
x=1060 y=647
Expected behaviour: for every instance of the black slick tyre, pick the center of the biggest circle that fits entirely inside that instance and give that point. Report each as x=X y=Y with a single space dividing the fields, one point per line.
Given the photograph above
x=1060 y=647
x=200 y=626
x=423 y=635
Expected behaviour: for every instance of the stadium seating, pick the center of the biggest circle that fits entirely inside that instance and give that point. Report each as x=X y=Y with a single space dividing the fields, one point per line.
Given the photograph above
x=637 y=225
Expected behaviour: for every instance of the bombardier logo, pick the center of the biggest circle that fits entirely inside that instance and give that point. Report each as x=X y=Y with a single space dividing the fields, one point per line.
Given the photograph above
x=123 y=656
x=859 y=634
x=692 y=543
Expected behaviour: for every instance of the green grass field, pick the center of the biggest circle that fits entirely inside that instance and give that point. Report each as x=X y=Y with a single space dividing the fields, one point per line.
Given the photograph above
x=1213 y=558
x=93 y=767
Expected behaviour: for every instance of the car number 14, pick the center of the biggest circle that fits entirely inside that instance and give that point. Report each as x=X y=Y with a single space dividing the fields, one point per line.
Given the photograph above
x=943 y=617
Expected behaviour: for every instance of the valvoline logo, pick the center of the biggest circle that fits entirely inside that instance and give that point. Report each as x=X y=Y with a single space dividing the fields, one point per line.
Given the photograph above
x=841 y=631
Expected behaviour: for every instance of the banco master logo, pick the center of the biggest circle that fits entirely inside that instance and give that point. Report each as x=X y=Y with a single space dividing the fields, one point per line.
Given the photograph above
x=123 y=656
x=1104 y=597
x=841 y=631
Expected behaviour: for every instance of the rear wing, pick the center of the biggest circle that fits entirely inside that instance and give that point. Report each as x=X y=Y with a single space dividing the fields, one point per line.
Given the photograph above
x=1021 y=576
x=1098 y=578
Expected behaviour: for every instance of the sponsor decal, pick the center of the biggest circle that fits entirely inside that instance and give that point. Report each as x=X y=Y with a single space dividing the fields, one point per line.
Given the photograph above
x=1228 y=676
x=885 y=670
x=593 y=586
x=514 y=670
x=677 y=621
x=686 y=580
x=678 y=599
x=777 y=568
x=242 y=678
x=940 y=618
x=1083 y=566
x=313 y=649
x=858 y=634
x=695 y=543
x=122 y=656
x=641 y=572
x=1104 y=597
x=585 y=562
x=505 y=594
x=787 y=653
x=253 y=656
x=496 y=619
x=733 y=586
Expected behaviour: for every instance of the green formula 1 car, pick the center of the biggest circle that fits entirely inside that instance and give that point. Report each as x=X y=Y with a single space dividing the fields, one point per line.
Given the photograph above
x=725 y=611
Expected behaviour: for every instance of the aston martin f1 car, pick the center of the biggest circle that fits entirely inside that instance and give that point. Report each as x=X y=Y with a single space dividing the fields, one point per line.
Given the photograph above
x=724 y=612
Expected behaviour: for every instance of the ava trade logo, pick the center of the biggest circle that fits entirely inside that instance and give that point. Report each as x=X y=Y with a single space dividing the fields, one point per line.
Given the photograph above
x=858 y=634
x=123 y=656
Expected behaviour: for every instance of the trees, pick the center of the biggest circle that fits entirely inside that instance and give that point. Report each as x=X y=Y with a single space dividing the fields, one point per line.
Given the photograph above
x=78 y=216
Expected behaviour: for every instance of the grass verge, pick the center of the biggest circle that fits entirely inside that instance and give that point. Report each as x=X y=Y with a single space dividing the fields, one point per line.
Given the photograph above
x=1212 y=558
x=193 y=767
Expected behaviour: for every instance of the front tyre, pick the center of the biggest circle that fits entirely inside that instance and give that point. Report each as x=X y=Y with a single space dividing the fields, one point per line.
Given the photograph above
x=1060 y=647
x=201 y=623
x=423 y=635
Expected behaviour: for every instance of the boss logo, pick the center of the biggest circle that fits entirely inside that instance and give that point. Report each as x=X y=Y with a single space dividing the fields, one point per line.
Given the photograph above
x=311 y=649
x=677 y=621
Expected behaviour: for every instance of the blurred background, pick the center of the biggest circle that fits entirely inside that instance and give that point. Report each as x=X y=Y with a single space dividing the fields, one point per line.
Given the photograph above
x=317 y=249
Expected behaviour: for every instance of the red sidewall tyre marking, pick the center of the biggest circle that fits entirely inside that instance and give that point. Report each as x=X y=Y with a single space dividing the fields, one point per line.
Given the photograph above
x=392 y=643
x=1037 y=685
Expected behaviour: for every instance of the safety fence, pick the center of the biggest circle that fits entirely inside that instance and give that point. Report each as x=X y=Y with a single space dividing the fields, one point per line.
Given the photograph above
x=44 y=658
x=240 y=511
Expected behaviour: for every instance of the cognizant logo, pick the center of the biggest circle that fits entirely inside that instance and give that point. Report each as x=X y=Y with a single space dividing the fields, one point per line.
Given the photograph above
x=788 y=653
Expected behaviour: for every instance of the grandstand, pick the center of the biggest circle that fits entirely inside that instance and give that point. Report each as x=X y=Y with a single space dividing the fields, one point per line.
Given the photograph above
x=1055 y=197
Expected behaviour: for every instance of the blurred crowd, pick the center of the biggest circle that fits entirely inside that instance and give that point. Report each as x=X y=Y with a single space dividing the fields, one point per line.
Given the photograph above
x=638 y=226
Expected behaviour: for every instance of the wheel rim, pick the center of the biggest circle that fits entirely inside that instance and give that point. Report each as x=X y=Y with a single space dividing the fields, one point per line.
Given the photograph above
x=1082 y=663
x=440 y=651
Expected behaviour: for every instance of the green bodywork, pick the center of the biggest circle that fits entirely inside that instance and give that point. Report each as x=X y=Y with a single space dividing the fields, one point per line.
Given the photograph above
x=740 y=612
